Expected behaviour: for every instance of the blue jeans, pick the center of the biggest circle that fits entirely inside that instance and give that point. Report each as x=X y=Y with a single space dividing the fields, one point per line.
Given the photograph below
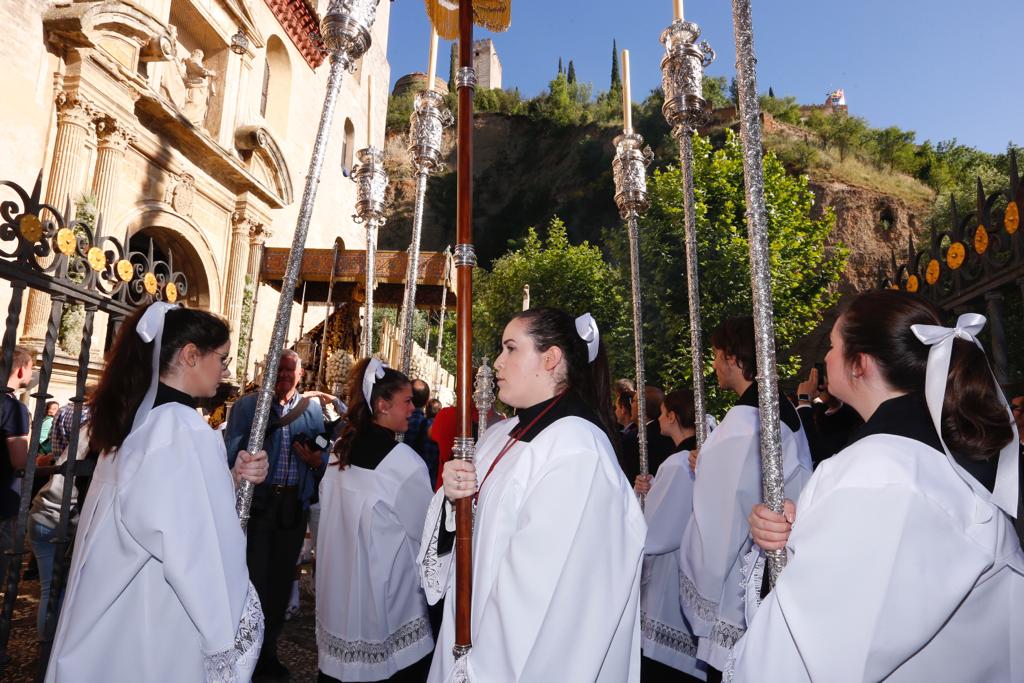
x=40 y=537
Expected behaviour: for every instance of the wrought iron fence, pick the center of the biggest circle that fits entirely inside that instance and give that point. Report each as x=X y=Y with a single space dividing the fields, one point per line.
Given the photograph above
x=43 y=249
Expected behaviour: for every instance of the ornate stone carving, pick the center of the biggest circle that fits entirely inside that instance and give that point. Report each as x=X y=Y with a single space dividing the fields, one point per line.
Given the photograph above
x=112 y=134
x=181 y=193
x=199 y=87
x=74 y=109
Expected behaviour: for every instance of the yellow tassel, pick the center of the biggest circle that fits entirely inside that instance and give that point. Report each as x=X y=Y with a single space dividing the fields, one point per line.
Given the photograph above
x=493 y=15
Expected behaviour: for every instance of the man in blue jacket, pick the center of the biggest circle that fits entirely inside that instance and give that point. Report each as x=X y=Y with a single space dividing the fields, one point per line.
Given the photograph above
x=280 y=507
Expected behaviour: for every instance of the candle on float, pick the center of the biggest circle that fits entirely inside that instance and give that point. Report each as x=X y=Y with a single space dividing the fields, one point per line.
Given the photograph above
x=432 y=63
x=369 y=110
x=627 y=101
x=677 y=7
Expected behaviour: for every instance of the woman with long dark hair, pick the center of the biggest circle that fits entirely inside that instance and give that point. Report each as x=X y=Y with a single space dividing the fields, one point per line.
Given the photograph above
x=669 y=647
x=158 y=589
x=371 y=614
x=559 y=535
x=903 y=561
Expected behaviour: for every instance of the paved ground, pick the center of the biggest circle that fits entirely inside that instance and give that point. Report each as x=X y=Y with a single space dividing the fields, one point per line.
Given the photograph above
x=297 y=646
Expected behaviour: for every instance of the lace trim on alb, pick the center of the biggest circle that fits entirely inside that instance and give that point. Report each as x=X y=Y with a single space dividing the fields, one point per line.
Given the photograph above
x=666 y=636
x=372 y=652
x=220 y=667
x=752 y=573
x=725 y=635
x=431 y=563
x=706 y=610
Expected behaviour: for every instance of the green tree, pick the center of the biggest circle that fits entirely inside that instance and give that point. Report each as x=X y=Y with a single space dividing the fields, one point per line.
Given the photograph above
x=714 y=91
x=734 y=92
x=571 y=74
x=846 y=132
x=575 y=278
x=784 y=109
x=804 y=268
x=452 y=65
x=616 y=81
x=560 y=69
x=892 y=147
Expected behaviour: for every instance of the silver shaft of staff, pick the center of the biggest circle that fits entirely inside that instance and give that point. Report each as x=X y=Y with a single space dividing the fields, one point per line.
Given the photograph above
x=693 y=289
x=346 y=31
x=638 y=336
x=760 y=271
x=440 y=324
x=366 y=347
x=409 y=299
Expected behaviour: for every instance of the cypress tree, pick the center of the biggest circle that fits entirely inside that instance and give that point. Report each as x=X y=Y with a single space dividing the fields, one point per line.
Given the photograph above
x=560 y=69
x=572 y=72
x=616 y=81
x=771 y=92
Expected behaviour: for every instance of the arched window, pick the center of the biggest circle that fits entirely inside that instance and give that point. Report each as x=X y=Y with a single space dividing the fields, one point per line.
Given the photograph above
x=348 y=146
x=277 y=87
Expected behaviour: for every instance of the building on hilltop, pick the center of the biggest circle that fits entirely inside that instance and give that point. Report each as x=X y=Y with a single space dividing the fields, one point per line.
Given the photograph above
x=487 y=64
x=416 y=82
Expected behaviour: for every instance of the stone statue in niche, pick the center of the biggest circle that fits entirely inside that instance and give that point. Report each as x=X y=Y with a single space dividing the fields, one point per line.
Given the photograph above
x=199 y=87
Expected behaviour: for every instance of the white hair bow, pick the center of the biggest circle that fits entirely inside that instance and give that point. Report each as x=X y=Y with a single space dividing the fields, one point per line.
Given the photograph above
x=586 y=328
x=940 y=339
x=374 y=371
x=151 y=329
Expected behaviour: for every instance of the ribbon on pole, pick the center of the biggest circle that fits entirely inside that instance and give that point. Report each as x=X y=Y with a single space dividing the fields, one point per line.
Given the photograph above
x=772 y=480
x=345 y=29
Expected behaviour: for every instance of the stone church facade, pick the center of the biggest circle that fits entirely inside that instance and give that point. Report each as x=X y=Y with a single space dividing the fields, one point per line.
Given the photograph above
x=189 y=125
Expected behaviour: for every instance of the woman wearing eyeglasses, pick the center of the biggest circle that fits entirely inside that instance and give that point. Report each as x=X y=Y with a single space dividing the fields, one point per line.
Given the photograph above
x=159 y=589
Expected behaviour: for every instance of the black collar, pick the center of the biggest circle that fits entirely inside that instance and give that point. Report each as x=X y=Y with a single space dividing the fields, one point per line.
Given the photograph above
x=787 y=413
x=908 y=416
x=371 y=447
x=687 y=444
x=571 y=405
x=166 y=394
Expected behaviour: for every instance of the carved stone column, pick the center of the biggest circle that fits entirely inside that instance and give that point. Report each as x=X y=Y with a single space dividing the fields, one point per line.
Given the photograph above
x=112 y=140
x=242 y=225
x=74 y=122
x=258 y=235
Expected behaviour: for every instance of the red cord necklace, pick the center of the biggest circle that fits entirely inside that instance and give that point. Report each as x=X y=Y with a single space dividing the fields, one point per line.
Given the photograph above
x=514 y=437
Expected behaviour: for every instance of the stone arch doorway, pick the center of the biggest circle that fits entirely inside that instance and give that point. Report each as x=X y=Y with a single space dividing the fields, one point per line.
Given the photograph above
x=172 y=248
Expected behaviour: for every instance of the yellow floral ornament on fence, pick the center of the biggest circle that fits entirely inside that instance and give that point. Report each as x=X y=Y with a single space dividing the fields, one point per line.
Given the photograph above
x=956 y=254
x=170 y=293
x=932 y=272
x=66 y=241
x=97 y=260
x=1011 y=221
x=981 y=239
x=912 y=284
x=149 y=282
x=124 y=270
x=30 y=226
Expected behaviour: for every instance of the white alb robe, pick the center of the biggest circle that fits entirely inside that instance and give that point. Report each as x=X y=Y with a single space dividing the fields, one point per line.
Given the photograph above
x=717 y=536
x=371 y=614
x=557 y=554
x=666 y=635
x=897 y=571
x=159 y=589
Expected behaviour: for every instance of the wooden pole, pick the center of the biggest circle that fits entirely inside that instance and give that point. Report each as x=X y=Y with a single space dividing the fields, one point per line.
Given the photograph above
x=464 y=336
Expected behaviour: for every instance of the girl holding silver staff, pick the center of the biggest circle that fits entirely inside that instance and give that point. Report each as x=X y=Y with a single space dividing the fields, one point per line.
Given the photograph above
x=558 y=531
x=372 y=621
x=158 y=589
x=904 y=564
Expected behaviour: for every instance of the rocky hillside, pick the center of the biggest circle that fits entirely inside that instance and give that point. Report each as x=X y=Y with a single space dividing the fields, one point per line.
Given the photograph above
x=526 y=171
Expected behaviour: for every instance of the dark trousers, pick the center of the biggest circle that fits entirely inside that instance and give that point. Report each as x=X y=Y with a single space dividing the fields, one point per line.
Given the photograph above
x=277 y=527
x=652 y=671
x=414 y=673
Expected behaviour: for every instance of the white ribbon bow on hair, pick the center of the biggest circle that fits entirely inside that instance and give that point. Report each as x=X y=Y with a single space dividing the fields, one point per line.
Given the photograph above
x=940 y=339
x=374 y=371
x=151 y=329
x=586 y=328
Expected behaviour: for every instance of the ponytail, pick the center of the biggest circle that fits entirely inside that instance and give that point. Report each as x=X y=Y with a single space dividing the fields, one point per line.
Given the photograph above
x=359 y=418
x=129 y=369
x=974 y=421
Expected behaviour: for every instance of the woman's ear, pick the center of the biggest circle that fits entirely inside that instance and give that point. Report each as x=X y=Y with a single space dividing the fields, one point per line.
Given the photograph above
x=552 y=357
x=670 y=416
x=188 y=355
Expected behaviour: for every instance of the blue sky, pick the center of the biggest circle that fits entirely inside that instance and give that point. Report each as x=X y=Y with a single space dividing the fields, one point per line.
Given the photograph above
x=941 y=68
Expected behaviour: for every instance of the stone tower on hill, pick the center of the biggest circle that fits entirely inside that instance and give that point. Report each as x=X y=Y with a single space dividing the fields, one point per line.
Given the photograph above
x=487 y=64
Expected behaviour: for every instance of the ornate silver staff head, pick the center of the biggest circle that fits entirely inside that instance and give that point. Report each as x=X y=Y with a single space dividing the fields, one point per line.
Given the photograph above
x=429 y=119
x=483 y=394
x=632 y=157
x=371 y=186
x=682 y=77
x=345 y=29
